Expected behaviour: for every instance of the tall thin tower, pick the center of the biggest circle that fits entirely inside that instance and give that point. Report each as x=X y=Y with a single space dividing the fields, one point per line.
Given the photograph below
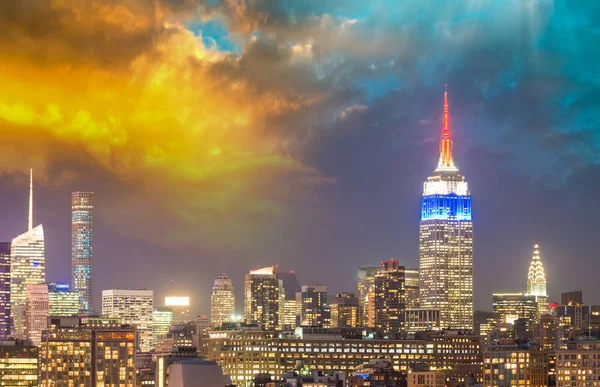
x=27 y=266
x=82 y=246
x=446 y=239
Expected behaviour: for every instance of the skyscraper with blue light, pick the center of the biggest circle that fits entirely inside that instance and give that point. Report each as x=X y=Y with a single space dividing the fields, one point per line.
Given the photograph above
x=446 y=240
x=82 y=246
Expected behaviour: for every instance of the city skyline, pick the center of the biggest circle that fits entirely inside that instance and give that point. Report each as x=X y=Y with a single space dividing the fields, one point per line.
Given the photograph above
x=316 y=160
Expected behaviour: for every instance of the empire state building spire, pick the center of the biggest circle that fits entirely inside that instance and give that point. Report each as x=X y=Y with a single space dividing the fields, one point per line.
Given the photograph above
x=446 y=162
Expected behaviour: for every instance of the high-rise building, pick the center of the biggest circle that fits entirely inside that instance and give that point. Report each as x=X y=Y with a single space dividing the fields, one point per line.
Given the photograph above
x=411 y=288
x=222 y=301
x=63 y=301
x=18 y=364
x=290 y=316
x=515 y=365
x=390 y=298
x=446 y=240
x=37 y=311
x=180 y=307
x=162 y=318
x=27 y=267
x=97 y=354
x=344 y=310
x=366 y=294
x=5 y=322
x=82 y=246
x=133 y=307
x=513 y=306
x=315 y=309
x=545 y=332
x=536 y=282
x=264 y=294
x=572 y=298
x=202 y=325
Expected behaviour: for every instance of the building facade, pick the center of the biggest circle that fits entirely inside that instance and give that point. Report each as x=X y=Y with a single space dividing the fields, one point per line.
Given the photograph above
x=5 y=322
x=82 y=246
x=245 y=353
x=134 y=307
x=27 y=267
x=418 y=320
x=97 y=354
x=264 y=295
x=162 y=318
x=222 y=301
x=411 y=288
x=578 y=365
x=63 y=301
x=18 y=364
x=390 y=298
x=446 y=240
x=515 y=365
x=366 y=295
x=180 y=307
x=344 y=311
x=315 y=308
x=37 y=311
x=513 y=306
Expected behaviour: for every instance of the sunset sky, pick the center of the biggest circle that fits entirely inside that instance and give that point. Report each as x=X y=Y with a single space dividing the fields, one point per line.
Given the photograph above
x=221 y=136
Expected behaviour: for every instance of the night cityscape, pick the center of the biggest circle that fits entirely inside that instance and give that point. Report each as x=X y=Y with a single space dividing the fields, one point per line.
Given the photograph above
x=335 y=193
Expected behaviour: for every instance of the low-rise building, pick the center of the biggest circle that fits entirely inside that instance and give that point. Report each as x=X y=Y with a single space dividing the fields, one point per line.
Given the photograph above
x=88 y=353
x=515 y=365
x=18 y=364
x=243 y=353
x=578 y=364
x=376 y=373
x=426 y=379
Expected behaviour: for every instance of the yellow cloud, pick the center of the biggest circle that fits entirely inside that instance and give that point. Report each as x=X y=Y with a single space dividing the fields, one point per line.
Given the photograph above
x=172 y=117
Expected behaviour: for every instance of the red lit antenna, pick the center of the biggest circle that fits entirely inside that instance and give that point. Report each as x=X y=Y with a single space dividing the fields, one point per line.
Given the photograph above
x=446 y=141
x=171 y=288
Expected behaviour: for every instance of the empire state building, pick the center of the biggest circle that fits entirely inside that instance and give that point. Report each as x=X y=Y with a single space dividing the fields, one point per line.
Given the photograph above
x=446 y=240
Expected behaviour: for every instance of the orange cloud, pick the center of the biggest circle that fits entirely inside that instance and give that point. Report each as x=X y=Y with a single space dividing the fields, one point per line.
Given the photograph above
x=129 y=88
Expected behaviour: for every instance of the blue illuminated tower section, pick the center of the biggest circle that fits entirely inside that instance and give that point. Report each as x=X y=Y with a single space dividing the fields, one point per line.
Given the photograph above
x=82 y=246
x=446 y=240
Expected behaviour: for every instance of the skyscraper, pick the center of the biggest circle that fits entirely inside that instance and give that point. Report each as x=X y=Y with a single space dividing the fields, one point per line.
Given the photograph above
x=315 y=309
x=162 y=318
x=222 y=300
x=264 y=295
x=180 y=306
x=133 y=307
x=82 y=245
x=446 y=240
x=62 y=301
x=4 y=290
x=27 y=266
x=411 y=286
x=37 y=312
x=536 y=282
x=366 y=293
x=390 y=297
x=344 y=310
